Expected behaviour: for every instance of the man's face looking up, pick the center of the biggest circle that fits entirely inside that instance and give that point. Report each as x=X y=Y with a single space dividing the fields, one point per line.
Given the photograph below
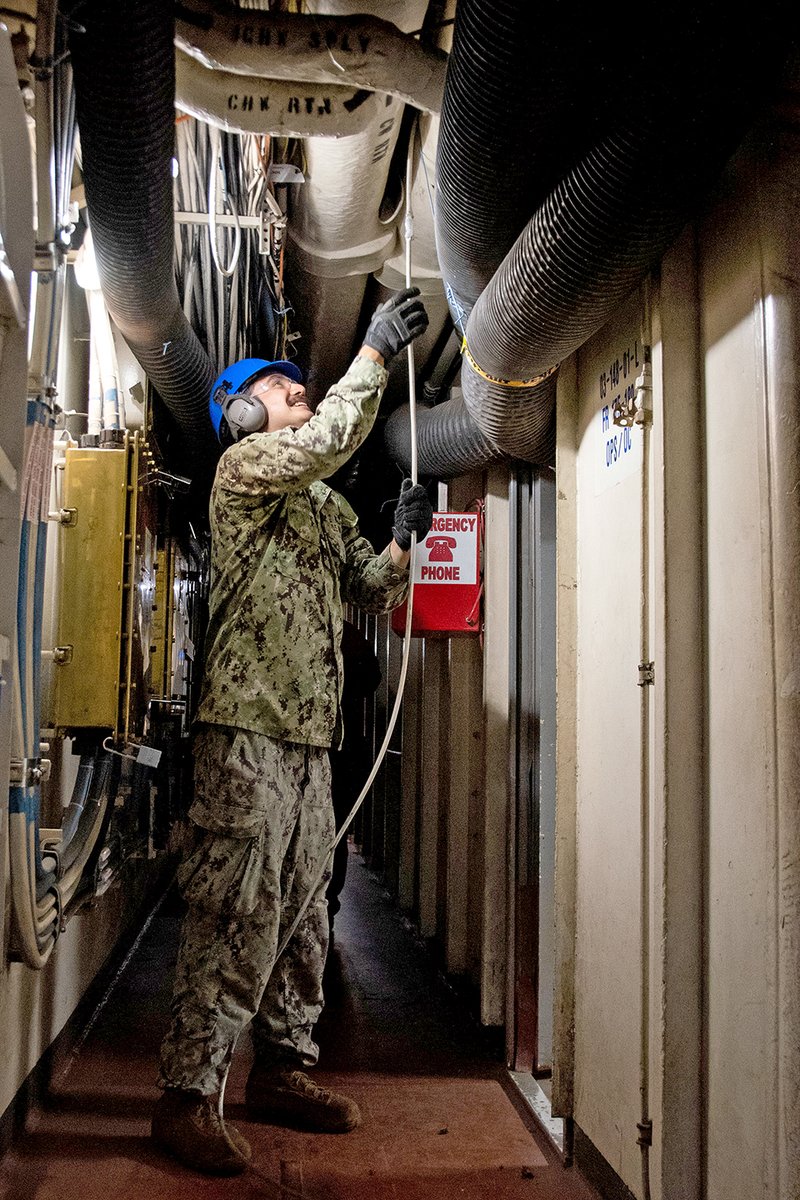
x=283 y=400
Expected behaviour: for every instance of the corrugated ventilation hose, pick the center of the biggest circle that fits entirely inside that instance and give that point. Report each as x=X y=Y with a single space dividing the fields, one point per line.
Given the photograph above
x=124 y=71
x=677 y=119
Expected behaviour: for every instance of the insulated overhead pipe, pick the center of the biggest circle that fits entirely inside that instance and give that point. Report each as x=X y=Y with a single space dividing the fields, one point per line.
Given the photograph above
x=340 y=228
x=124 y=70
x=359 y=50
x=252 y=104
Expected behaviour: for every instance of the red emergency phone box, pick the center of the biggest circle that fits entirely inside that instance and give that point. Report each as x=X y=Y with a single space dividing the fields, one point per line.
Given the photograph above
x=447 y=583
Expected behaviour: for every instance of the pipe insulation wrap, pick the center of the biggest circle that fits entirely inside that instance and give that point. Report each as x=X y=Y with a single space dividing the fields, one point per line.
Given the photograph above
x=123 y=65
x=425 y=272
x=360 y=51
x=337 y=230
x=338 y=209
x=246 y=104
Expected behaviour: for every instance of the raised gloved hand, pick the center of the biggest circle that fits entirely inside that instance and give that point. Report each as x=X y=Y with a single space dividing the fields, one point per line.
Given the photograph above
x=412 y=515
x=396 y=323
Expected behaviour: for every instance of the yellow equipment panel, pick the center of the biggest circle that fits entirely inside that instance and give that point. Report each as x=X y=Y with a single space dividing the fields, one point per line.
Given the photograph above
x=90 y=604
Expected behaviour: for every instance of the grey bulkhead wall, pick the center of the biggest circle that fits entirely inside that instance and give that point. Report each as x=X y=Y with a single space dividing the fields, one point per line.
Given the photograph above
x=750 y=266
x=725 y=1054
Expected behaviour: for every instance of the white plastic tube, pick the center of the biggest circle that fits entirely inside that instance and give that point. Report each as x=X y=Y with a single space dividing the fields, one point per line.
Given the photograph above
x=108 y=371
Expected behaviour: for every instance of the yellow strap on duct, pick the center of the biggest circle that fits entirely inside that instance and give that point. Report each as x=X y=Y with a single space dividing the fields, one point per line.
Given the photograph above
x=512 y=383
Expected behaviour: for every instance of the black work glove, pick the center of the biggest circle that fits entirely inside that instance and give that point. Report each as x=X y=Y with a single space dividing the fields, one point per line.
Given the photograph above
x=396 y=323
x=412 y=515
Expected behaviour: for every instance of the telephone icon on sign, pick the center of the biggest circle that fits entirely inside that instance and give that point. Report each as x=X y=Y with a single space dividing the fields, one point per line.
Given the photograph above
x=441 y=548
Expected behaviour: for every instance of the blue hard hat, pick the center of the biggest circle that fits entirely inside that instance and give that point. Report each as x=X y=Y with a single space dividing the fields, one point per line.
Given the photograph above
x=237 y=377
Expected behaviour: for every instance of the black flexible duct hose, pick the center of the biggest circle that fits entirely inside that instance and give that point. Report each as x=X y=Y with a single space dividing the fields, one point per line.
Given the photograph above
x=124 y=70
x=449 y=442
x=595 y=238
x=587 y=247
x=509 y=130
x=600 y=230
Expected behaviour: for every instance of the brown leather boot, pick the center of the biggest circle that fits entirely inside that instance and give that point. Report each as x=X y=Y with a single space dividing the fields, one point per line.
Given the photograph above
x=287 y=1096
x=187 y=1126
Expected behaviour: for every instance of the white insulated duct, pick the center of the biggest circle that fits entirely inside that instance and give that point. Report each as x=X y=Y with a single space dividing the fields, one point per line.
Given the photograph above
x=337 y=239
x=106 y=403
x=336 y=226
x=338 y=234
x=243 y=104
x=425 y=273
x=362 y=51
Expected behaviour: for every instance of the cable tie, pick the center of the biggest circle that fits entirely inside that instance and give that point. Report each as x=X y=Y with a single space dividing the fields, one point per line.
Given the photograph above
x=512 y=383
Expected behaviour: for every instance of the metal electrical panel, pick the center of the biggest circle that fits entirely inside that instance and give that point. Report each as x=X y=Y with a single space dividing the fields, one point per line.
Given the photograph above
x=90 y=602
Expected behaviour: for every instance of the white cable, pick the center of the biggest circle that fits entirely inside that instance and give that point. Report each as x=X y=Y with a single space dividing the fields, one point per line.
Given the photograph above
x=408 y=232
x=408 y=229
x=216 y=169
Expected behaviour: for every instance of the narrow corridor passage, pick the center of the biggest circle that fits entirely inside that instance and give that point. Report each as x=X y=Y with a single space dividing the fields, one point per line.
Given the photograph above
x=439 y=1118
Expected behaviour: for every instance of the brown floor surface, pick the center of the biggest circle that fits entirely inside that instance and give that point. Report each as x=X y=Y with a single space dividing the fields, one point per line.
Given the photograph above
x=441 y=1121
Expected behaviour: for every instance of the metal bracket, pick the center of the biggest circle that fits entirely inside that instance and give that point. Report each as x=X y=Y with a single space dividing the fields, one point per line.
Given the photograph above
x=285 y=173
x=272 y=216
x=645 y=1131
x=643 y=412
x=29 y=772
x=59 y=654
x=634 y=406
x=46 y=258
x=170 y=483
x=647 y=674
x=64 y=516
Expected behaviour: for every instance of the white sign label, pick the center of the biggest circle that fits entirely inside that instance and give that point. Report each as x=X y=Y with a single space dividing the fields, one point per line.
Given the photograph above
x=618 y=449
x=449 y=554
x=148 y=756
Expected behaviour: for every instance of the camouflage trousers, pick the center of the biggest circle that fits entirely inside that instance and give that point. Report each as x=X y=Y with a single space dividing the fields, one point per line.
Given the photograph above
x=264 y=820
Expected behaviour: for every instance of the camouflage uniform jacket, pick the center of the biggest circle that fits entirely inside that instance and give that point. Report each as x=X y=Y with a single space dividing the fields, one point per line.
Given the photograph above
x=286 y=552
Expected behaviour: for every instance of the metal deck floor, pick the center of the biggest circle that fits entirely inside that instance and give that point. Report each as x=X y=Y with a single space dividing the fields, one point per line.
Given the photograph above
x=440 y=1120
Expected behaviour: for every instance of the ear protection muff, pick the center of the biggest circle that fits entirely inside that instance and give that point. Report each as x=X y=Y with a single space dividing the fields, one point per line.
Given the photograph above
x=243 y=414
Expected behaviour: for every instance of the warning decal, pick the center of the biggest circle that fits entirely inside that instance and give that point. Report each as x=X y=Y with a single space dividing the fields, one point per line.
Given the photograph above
x=449 y=554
